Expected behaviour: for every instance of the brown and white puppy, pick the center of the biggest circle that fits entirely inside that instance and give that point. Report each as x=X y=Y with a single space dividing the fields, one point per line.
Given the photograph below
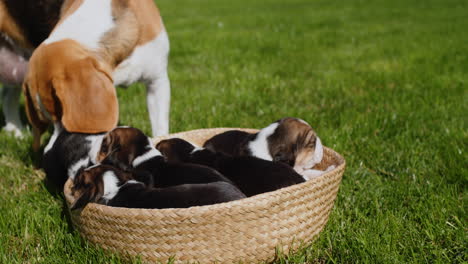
x=111 y=186
x=250 y=174
x=289 y=140
x=94 y=46
x=24 y=24
x=130 y=149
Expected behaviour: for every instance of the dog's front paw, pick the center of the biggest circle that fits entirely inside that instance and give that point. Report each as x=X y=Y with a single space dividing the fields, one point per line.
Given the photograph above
x=15 y=130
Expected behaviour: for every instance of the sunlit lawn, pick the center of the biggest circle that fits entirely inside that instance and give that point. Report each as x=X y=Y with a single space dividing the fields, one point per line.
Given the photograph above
x=383 y=82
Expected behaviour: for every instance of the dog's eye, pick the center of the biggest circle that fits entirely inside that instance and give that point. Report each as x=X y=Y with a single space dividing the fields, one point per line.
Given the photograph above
x=279 y=157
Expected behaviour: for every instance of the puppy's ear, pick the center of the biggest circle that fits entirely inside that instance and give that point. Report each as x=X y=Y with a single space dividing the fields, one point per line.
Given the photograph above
x=81 y=201
x=165 y=147
x=87 y=97
x=86 y=188
x=106 y=147
x=175 y=149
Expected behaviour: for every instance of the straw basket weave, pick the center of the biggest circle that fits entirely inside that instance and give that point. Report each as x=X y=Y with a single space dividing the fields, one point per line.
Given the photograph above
x=247 y=230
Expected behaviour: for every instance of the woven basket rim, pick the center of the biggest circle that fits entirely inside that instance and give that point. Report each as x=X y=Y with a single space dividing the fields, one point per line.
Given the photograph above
x=220 y=207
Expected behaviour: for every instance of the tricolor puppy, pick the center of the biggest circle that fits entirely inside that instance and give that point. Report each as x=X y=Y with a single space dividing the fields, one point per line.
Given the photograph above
x=250 y=174
x=289 y=140
x=111 y=186
x=94 y=46
x=130 y=149
x=24 y=24
x=67 y=153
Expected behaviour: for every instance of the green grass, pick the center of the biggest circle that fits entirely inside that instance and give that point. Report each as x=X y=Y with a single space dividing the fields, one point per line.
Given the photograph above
x=383 y=82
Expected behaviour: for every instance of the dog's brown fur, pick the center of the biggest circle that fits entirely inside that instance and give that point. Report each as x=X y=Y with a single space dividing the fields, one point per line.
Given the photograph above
x=75 y=85
x=74 y=88
x=294 y=140
x=88 y=185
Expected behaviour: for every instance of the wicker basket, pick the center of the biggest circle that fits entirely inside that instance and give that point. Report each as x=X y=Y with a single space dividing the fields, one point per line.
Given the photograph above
x=247 y=230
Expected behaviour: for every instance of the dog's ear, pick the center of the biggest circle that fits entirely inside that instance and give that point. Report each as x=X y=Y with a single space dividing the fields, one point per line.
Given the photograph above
x=38 y=125
x=87 y=97
x=165 y=147
x=106 y=146
x=175 y=149
x=81 y=201
x=86 y=188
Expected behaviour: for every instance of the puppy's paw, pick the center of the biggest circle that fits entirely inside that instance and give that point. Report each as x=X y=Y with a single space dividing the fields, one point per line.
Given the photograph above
x=311 y=173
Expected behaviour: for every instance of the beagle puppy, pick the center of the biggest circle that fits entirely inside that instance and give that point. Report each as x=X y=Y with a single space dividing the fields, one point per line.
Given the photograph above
x=94 y=46
x=250 y=174
x=288 y=140
x=67 y=153
x=129 y=149
x=24 y=24
x=108 y=185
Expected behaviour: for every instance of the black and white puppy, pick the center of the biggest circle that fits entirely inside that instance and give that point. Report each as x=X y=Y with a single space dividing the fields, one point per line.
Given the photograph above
x=130 y=149
x=250 y=174
x=108 y=185
x=289 y=140
x=66 y=153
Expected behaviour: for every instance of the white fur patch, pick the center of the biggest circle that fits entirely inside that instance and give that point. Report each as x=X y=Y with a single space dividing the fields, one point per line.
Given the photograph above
x=318 y=154
x=111 y=187
x=95 y=142
x=310 y=174
x=151 y=153
x=315 y=159
x=132 y=182
x=93 y=166
x=76 y=166
x=259 y=146
x=57 y=130
x=148 y=63
x=302 y=121
x=86 y=25
x=195 y=148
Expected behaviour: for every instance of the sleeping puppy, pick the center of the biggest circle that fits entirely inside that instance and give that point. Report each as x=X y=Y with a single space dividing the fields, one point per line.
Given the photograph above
x=66 y=153
x=250 y=174
x=130 y=149
x=289 y=140
x=108 y=185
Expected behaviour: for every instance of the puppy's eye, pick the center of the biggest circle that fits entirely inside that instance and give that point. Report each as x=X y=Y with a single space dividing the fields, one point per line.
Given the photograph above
x=279 y=157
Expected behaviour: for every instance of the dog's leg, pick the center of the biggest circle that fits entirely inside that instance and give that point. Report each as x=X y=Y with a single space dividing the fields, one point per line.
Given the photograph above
x=10 y=100
x=36 y=139
x=158 y=100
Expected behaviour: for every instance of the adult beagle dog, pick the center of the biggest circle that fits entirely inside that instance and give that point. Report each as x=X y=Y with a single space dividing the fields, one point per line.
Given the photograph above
x=108 y=185
x=24 y=24
x=288 y=140
x=250 y=174
x=94 y=46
